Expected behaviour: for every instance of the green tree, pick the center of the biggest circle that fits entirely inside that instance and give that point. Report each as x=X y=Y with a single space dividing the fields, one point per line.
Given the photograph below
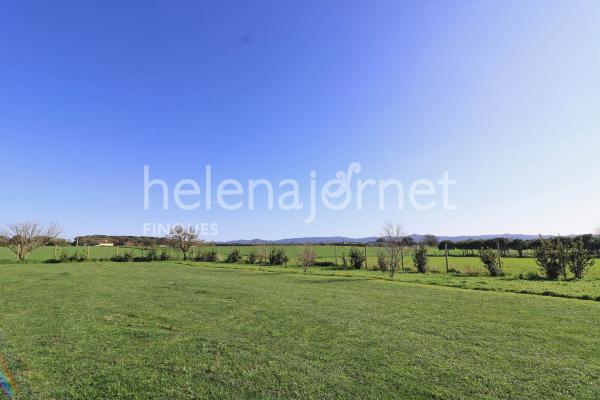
x=183 y=239
x=518 y=245
x=551 y=256
x=429 y=240
x=579 y=258
x=420 y=258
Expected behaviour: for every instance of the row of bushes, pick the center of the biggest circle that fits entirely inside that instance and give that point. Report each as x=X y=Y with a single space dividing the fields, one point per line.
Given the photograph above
x=272 y=257
x=555 y=257
x=470 y=247
x=126 y=256
x=150 y=255
x=356 y=259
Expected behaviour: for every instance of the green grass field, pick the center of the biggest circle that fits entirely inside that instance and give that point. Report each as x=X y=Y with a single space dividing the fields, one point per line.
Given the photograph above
x=206 y=331
x=584 y=289
x=512 y=266
x=324 y=253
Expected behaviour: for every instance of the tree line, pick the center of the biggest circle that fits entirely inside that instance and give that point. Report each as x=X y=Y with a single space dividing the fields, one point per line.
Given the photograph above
x=519 y=246
x=555 y=255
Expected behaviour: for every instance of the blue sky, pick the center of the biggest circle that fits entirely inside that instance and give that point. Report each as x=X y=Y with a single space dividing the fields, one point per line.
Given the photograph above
x=504 y=96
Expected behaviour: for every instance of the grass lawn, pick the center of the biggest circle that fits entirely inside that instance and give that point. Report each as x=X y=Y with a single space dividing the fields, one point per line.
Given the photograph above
x=513 y=265
x=166 y=330
x=585 y=289
x=324 y=252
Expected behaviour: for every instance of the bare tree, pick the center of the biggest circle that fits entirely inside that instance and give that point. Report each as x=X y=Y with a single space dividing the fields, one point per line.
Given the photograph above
x=24 y=237
x=262 y=256
x=183 y=238
x=393 y=244
x=308 y=257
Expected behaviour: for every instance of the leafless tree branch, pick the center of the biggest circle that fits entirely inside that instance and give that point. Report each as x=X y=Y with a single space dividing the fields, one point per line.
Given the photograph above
x=307 y=257
x=393 y=243
x=24 y=237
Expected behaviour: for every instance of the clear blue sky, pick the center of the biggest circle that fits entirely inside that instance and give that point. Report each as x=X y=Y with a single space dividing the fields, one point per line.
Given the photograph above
x=505 y=96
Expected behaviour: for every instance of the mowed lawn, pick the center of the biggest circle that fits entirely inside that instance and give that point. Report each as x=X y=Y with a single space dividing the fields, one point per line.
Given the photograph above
x=171 y=331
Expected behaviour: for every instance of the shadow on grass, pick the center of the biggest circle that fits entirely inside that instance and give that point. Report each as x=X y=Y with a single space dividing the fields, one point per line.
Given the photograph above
x=325 y=281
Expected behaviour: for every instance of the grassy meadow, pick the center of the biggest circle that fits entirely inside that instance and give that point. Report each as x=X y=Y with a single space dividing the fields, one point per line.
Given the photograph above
x=469 y=265
x=324 y=252
x=206 y=331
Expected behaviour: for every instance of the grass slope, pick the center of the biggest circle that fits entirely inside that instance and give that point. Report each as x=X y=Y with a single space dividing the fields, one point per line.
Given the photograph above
x=90 y=331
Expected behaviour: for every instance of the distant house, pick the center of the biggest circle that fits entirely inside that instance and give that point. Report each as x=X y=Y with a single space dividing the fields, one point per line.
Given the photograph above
x=105 y=244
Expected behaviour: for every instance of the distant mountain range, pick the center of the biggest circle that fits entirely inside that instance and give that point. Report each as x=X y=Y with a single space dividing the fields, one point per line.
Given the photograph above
x=371 y=239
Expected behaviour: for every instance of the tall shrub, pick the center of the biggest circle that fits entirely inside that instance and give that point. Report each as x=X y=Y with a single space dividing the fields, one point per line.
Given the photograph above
x=551 y=257
x=420 y=258
x=207 y=255
x=382 y=261
x=234 y=256
x=491 y=261
x=579 y=258
x=277 y=257
x=252 y=257
x=357 y=257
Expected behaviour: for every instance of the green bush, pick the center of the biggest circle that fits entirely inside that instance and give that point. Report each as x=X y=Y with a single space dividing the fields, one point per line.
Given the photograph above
x=151 y=255
x=207 y=255
x=128 y=255
x=357 y=258
x=491 y=261
x=164 y=255
x=551 y=257
x=125 y=257
x=76 y=257
x=420 y=258
x=579 y=258
x=252 y=257
x=234 y=256
x=382 y=263
x=277 y=257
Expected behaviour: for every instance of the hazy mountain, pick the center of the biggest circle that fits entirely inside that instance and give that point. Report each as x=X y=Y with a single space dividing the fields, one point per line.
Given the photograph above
x=371 y=239
x=315 y=239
